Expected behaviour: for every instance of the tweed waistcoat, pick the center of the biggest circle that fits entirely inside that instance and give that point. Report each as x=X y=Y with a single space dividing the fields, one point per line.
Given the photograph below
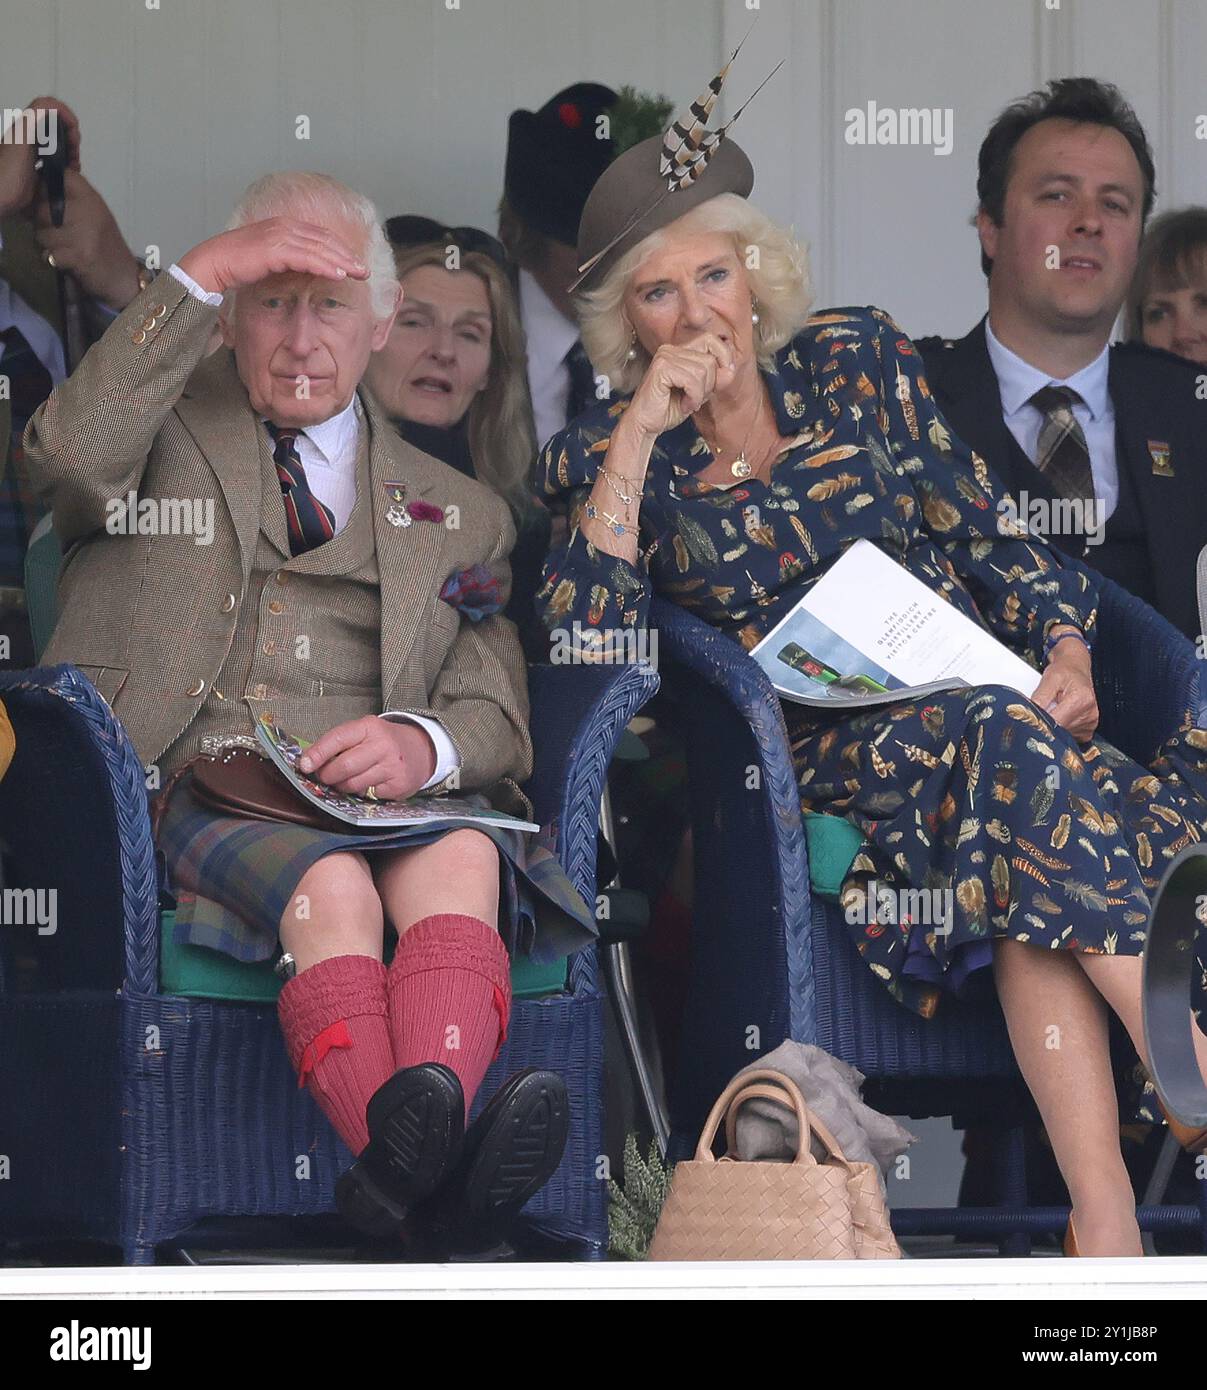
x=306 y=648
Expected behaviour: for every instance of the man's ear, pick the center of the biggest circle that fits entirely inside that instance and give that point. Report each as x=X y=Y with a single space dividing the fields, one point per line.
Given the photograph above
x=226 y=322
x=381 y=327
x=989 y=232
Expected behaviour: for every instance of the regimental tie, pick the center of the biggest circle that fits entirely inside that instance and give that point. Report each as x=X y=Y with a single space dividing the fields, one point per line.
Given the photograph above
x=310 y=522
x=1063 y=456
x=29 y=383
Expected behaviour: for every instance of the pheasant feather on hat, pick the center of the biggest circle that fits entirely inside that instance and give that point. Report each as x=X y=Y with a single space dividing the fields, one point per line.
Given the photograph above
x=640 y=195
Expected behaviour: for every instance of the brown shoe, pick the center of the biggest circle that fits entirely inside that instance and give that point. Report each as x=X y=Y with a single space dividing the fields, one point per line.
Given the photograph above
x=1194 y=1141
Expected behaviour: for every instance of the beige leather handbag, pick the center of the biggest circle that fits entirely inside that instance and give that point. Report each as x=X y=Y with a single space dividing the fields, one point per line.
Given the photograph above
x=728 y=1209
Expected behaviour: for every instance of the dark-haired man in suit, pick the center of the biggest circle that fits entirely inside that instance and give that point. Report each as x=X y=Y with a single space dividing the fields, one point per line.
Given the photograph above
x=1102 y=448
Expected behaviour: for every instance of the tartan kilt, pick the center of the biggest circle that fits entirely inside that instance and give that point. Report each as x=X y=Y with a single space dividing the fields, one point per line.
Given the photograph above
x=232 y=878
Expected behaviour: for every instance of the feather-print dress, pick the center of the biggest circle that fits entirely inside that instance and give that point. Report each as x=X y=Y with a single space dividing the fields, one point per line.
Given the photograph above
x=976 y=795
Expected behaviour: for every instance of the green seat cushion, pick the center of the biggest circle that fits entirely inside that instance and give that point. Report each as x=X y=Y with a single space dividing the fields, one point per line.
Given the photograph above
x=200 y=973
x=833 y=843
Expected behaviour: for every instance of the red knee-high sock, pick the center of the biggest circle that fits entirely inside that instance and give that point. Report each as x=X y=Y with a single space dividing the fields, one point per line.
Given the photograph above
x=334 y=1017
x=450 y=997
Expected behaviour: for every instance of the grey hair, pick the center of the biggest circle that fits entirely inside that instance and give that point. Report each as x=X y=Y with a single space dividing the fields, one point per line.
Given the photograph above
x=779 y=281
x=320 y=198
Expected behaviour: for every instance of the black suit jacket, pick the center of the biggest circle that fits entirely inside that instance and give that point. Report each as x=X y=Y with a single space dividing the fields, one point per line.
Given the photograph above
x=1156 y=397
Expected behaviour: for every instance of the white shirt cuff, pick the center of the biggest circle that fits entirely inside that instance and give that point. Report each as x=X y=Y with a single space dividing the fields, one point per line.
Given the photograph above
x=213 y=300
x=447 y=758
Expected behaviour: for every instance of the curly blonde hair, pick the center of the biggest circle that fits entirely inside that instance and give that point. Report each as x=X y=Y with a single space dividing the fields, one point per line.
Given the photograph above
x=779 y=281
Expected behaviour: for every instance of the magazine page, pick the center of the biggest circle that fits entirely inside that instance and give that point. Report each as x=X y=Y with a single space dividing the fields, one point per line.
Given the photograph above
x=870 y=633
x=421 y=812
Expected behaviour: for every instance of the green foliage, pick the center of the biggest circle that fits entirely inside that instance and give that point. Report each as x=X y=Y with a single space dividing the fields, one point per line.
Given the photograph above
x=633 y=1211
x=637 y=116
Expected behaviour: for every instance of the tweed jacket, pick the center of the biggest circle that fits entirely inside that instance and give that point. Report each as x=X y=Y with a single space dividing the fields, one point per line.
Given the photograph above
x=150 y=617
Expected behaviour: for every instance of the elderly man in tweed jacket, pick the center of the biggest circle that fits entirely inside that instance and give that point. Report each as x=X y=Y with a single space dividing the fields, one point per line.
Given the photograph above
x=244 y=535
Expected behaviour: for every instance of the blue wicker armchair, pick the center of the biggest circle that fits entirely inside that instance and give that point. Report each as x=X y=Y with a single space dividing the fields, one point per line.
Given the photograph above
x=129 y=1114
x=771 y=958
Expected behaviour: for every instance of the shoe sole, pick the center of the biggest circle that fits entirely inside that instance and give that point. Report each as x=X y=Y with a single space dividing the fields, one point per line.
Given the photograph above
x=519 y=1153
x=416 y=1130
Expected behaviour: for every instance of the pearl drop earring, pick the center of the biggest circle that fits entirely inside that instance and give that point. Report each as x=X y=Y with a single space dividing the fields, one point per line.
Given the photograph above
x=754 y=312
x=631 y=355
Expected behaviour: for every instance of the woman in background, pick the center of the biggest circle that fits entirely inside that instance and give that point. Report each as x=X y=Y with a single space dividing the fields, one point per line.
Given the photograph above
x=1167 y=303
x=452 y=378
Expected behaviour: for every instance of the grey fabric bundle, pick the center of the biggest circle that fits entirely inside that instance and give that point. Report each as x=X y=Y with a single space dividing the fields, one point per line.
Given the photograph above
x=767 y=1130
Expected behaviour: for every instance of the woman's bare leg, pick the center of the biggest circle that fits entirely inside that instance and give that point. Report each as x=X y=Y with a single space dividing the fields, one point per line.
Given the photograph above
x=1058 y=1028
x=1118 y=979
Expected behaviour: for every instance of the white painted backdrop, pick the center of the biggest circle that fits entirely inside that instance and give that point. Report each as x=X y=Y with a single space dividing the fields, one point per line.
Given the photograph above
x=408 y=99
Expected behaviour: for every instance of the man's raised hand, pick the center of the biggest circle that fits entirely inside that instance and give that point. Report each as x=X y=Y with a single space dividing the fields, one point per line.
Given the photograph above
x=274 y=246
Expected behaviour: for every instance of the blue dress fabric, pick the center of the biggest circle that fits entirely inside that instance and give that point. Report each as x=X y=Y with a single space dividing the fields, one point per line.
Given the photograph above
x=975 y=793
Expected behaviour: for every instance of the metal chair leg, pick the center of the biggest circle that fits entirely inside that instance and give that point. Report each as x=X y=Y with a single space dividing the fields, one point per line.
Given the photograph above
x=618 y=972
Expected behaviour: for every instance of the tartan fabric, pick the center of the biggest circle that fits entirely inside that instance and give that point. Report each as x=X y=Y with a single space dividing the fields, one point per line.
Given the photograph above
x=233 y=878
x=29 y=383
x=310 y=522
x=1063 y=456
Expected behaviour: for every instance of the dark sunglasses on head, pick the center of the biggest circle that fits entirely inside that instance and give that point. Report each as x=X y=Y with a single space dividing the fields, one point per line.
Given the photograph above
x=407 y=231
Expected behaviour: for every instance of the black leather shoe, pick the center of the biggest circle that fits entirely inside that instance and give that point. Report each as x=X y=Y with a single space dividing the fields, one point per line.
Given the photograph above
x=511 y=1151
x=416 y=1125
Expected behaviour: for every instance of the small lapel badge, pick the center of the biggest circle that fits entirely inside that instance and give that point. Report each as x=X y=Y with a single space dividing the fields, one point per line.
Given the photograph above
x=396 y=513
x=1160 y=455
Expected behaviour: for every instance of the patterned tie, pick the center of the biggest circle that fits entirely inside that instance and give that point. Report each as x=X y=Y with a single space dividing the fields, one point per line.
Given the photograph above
x=582 y=381
x=29 y=383
x=310 y=522
x=1063 y=457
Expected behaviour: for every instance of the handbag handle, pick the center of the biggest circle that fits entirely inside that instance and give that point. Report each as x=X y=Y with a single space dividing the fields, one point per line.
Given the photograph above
x=760 y=1092
x=728 y=1097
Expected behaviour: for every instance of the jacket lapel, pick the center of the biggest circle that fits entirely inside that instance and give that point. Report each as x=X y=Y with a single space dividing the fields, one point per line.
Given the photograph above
x=967 y=392
x=216 y=412
x=409 y=558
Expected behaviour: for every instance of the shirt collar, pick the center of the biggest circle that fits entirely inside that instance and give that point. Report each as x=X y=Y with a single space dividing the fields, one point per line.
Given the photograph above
x=1018 y=380
x=334 y=437
x=543 y=321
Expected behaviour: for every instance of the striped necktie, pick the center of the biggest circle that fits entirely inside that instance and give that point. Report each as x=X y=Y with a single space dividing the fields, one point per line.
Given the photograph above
x=1063 y=456
x=29 y=383
x=310 y=522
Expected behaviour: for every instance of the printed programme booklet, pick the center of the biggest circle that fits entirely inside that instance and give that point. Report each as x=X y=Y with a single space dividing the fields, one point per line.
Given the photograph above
x=421 y=812
x=870 y=633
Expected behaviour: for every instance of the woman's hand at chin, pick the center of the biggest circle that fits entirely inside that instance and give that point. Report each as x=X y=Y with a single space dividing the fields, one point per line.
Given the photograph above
x=678 y=381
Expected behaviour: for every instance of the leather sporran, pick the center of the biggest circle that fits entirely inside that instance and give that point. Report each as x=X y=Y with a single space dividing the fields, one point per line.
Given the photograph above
x=731 y=1209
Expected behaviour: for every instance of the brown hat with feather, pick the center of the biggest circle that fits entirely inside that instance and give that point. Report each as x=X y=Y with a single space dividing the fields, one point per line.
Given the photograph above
x=660 y=179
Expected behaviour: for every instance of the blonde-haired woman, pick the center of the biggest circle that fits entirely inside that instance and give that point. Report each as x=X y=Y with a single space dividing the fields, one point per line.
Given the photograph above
x=452 y=377
x=746 y=446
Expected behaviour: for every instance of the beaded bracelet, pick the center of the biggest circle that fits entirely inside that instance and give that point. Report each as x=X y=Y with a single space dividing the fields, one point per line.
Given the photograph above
x=1050 y=643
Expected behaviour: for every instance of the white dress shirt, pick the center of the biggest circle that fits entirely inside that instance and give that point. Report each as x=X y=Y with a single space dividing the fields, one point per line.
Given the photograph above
x=550 y=336
x=1018 y=381
x=328 y=454
x=45 y=342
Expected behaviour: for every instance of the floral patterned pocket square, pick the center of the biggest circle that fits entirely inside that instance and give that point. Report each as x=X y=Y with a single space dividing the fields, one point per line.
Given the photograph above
x=474 y=593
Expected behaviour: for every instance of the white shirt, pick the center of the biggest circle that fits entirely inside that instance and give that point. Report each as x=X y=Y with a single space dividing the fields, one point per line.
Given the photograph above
x=328 y=454
x=550 y=336
x=47 y=346
x=1018 y=381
